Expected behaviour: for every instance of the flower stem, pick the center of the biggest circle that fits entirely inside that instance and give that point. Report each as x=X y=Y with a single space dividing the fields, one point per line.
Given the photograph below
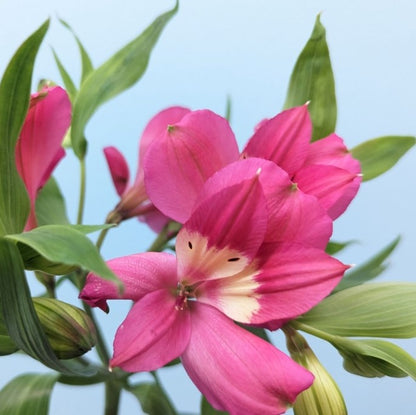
x=167 y=233
x=81 y=192
x=159 y=384
x=311 y=330
x=112 y=396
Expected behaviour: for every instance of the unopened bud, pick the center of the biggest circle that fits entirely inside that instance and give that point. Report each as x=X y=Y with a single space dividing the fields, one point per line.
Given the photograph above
x=324 y=396
x=69 y=329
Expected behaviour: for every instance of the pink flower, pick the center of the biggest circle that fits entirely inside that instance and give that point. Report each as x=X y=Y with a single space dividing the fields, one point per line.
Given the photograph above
x=190 y=151
x=133 y=198
x=226 y=269
x=39 y=147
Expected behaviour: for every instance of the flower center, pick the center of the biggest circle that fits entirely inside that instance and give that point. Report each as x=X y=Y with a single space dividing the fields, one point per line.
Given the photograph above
x=183 y=294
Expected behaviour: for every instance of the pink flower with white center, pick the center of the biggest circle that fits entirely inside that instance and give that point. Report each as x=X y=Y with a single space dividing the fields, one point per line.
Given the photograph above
x=200 y=143
x=224 y=271
x=39 y=147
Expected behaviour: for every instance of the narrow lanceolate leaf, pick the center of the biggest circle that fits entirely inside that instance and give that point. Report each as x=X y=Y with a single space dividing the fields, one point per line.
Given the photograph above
x=120 y=72
x=14 y=103
x=66 y=245
x=7 y=345
x=334 y=247
x=374 y=310
x=378 y=155
x=369 y=270
x=50 y=205
x=152 y=399
x=312 y=80
x=87 y=67
x=375 y=358
x=27 y=394
x=19 y=314
x=66 y=78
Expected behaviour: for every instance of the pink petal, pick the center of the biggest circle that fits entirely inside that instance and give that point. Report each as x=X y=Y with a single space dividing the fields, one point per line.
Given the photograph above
x=293 y=279
x=153 y=333
x=177 y=166
x=332 y=151
x=154 y=219
x=224 y=232
x=38 y=148
x=140 y=274
x=283 y=139
x=119 y=168
x=237 y=371
x=156 y=128
x=293 y=215
x=334 y=187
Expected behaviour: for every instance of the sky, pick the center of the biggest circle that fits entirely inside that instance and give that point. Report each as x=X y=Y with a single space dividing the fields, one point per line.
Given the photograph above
x=244 y=50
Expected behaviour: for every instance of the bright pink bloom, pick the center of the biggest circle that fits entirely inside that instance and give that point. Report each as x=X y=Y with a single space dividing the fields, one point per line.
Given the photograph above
x=224 y=270
x=323 y=168
x=133 y=198
x=202 y=142
x=39 y=147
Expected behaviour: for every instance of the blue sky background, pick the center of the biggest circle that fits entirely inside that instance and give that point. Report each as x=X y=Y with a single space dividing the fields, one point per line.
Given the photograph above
x=246 y=50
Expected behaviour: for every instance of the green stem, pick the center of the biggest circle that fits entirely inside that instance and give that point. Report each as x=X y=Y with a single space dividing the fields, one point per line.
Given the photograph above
x=311 y=330
x=100 y=346
x=159 y=384
x=167 y=233
x=81 y=192
x=101 y=238
x=112 y=396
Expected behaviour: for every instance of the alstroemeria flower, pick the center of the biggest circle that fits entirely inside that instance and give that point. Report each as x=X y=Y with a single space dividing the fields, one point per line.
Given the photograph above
x=224 y=271
x=133 y=197
x=200 y=143
x=39 y=147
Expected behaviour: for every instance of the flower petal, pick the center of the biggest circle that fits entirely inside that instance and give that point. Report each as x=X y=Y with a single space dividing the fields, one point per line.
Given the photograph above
x=292 y=279
x=334 y=187
x=153 y=333
x=224 y=232
x=283 y=139
x=237 y=371
x=140 y=274
x=190 y=151
x=39 y=148
x=332 y=151
x=156 y=128
x=119 y=168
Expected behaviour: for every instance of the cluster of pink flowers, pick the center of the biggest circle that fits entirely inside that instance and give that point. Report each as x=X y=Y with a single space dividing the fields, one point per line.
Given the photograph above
x=251 y=250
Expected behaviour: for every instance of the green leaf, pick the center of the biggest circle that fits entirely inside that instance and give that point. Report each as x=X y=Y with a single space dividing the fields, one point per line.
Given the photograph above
x=381 y=154
x=375 y=310
x=19 y=314
x=334 y=247
x=50 y=205
x=120 y=72
x=7 y=345
x=14 y=103
x=66 y=78
x=67 y=245
x=87 y=66
x=312 y=80
x=375 y=358
x=369 y=270
x=207 y=409
x=27 y=394
x=152 y=399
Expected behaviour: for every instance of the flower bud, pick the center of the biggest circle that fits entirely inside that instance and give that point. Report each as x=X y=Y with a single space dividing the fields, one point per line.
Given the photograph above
x=70 y=331
x=324 y=396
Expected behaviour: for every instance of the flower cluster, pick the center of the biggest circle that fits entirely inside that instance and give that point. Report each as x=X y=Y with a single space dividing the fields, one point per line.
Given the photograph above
x=251 y=250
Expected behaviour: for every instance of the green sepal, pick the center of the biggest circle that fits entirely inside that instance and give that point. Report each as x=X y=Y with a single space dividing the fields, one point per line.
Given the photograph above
x=14 y=104
x=312 y=80
x=27 y=394
x=120 y=72
x=379 y=155
x=369 y=270
x=369 y=310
